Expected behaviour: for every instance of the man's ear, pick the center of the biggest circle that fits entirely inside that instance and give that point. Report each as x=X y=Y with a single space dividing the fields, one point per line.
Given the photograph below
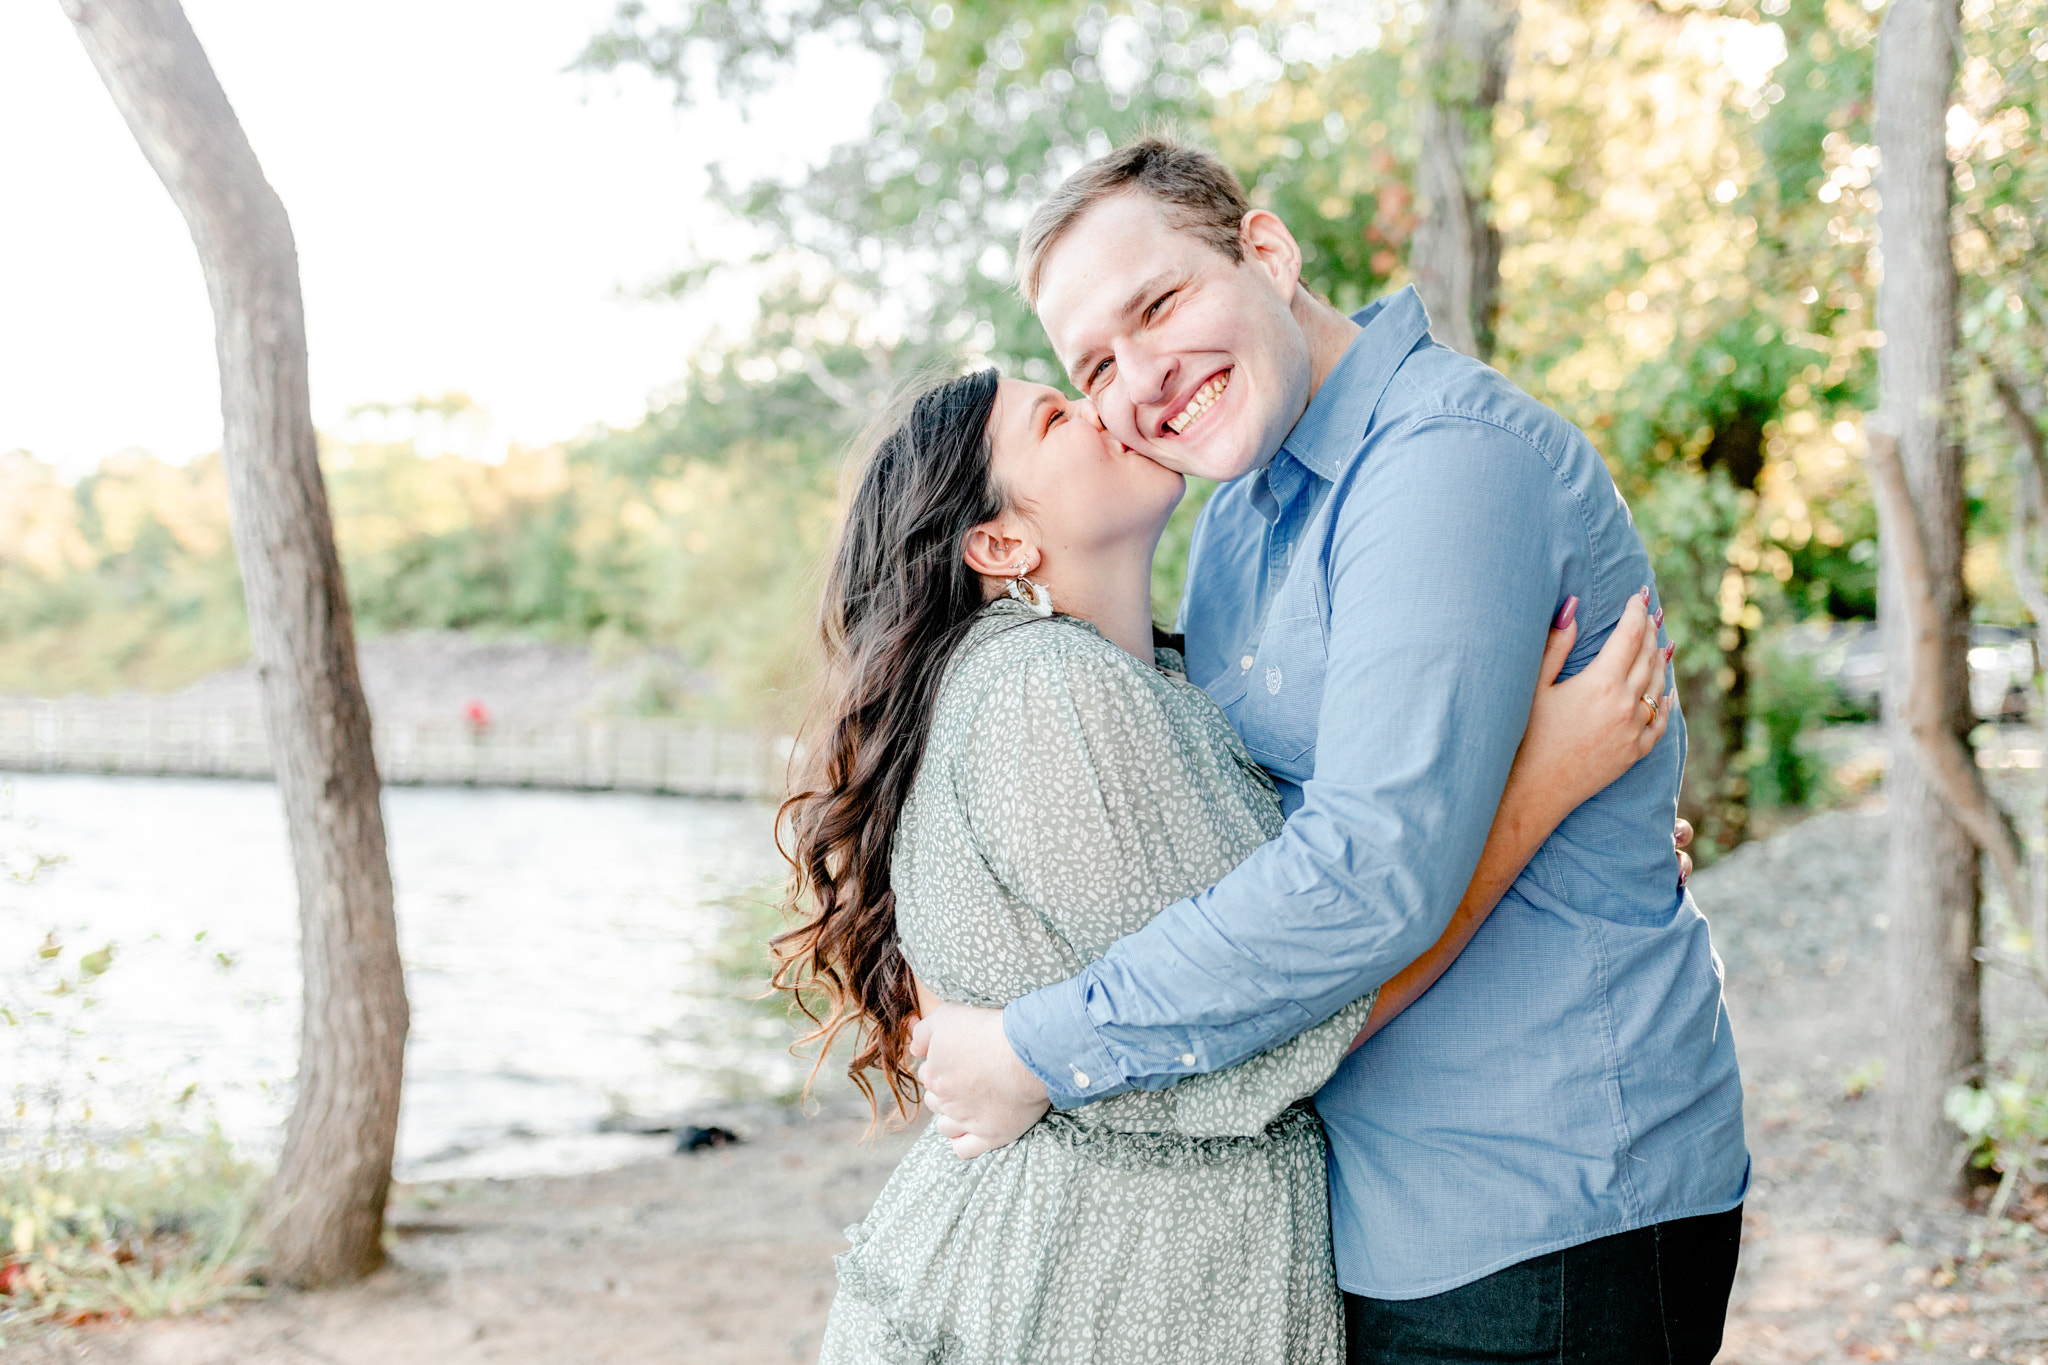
x=1270 y=247
x=994 y=549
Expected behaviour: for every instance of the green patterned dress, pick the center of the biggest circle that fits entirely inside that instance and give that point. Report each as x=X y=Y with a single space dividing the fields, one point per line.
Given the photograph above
x=1068 y=794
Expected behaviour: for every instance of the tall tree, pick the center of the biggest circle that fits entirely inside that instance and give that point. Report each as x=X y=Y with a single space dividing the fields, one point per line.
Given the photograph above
x=1930 y=963
x=1455 y=256
x=325 y=1208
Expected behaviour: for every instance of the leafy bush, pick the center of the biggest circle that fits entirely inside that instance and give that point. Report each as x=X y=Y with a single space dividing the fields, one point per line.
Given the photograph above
x=1788 y=698
x=93 y=1226
x=2006 y=1122
x=164 y=1227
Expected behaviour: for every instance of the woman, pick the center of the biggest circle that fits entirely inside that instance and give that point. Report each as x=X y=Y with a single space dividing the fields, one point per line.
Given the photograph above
x=1011 y=778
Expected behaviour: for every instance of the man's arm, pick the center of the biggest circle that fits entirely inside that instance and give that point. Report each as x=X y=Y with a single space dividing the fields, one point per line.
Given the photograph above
x=1448 y=561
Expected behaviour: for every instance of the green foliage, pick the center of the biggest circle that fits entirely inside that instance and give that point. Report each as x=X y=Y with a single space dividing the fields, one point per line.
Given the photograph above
x=701 y=531
x=990 y=106
x=145 y=1225
x=126 y=577
x=1170 y=563
x=1697 y=294
x=161 y=1228
x=2006 y=1122
x=753 y=1009
x=1789 y=699
x=1687 y=518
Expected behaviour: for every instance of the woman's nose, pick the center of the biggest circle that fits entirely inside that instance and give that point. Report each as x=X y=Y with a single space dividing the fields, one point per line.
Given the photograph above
x=1087 y=412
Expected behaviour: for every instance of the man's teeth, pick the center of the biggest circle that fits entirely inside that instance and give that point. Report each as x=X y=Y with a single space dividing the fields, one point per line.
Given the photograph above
x=1205 y=398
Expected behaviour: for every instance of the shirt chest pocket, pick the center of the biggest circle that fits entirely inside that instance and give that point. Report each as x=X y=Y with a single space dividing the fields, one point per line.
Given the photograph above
x=1282 y=681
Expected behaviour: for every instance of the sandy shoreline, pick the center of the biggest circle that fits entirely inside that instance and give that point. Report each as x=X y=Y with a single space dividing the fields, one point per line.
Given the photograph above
x=719 y=1256
x=725 y=1255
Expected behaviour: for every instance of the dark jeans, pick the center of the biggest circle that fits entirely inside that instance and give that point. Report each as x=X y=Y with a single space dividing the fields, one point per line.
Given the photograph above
x=1655 y=1296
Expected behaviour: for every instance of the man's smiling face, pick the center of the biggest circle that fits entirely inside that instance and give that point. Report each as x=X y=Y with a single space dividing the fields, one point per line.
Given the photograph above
x=1191 y=358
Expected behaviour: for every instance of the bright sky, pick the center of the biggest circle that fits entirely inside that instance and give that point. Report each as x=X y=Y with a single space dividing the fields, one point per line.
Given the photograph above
x=469 y=218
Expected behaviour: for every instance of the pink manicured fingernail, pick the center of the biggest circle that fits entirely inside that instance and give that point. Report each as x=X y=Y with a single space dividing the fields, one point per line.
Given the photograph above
x=1669 y=650
x=1658 y=619
x=1644 y=593
x=1565 y=613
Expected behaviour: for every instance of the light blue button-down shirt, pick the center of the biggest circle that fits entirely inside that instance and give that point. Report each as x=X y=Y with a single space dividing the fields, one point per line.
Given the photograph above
x=1370 y=610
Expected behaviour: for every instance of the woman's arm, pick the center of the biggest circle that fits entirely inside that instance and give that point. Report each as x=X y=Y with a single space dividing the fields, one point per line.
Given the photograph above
x=1583 y=734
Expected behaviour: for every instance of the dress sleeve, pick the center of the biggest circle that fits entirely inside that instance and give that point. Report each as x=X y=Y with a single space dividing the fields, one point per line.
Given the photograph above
x=1087 y=801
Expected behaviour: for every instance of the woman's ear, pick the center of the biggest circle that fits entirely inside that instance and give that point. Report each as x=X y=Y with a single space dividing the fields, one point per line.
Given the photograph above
x=995 y=549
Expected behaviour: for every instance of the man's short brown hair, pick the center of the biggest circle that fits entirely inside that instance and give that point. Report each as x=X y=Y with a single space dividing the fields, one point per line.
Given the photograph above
x=1198 y=193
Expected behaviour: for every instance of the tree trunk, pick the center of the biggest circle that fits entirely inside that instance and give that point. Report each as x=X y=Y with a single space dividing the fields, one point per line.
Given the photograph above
x=1455 y=255
x=1930 y=968
x=1731 y=806
x=1737 y=447
x=324 y=1211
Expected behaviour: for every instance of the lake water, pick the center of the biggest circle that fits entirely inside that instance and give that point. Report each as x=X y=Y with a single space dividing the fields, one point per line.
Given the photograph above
x=555 y=946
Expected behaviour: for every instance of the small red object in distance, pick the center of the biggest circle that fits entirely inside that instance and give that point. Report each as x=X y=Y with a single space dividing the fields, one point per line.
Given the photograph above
x=478 y=715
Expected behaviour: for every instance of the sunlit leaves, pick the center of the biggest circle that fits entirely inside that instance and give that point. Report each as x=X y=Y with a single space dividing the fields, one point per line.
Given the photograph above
x=992 y=105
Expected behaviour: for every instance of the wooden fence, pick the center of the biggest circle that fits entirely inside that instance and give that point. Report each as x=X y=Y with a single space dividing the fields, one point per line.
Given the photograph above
x=167 y=738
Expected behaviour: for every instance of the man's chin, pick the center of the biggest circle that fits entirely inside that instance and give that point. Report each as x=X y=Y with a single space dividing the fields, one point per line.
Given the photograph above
x=1187 y=461
x=1215 y=462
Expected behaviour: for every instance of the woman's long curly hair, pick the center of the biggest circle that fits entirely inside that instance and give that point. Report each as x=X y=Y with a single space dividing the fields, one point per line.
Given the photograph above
x=897 y=603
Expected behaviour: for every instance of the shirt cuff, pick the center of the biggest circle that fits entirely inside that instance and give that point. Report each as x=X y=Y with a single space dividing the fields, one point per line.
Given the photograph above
x=1052 y=1035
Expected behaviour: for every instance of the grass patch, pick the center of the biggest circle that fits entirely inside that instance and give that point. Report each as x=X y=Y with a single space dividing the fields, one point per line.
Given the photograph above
x=767 y=1019
x=165 y=1228
x=740 y=957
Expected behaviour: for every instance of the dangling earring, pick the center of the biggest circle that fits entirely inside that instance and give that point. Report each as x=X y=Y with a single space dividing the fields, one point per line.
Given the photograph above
x=1032 y=595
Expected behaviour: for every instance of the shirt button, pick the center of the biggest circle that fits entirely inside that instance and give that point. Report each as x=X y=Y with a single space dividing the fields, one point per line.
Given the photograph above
x=1245 y=663
x=1187 y=1059
x=1081 y=1079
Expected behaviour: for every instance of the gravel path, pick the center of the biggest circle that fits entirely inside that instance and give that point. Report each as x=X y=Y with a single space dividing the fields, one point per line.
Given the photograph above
x=1828 y=1272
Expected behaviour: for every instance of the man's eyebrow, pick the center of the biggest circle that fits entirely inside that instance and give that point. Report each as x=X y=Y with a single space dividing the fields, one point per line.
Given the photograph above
x=1131 y=304
x=1143 y=293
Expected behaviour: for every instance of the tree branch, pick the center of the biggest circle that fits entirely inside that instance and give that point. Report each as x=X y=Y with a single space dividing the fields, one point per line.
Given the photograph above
x=1949 y=763
x=2027 y=517
x=2030 y=514
x=2023 y=423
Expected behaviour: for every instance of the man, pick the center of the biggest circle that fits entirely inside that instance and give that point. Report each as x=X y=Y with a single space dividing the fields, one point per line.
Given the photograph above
x=1542 y=1158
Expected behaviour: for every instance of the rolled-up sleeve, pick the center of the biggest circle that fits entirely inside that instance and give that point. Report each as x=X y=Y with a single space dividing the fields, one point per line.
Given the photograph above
x=1444 y=564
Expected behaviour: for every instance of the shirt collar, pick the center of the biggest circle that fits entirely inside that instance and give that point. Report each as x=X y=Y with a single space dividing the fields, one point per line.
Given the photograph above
x=1274 y=487
x=1329 y=432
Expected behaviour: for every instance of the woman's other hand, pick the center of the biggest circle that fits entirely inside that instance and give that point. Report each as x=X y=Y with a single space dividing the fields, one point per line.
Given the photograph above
x=1591 y=728
x=1681 y=839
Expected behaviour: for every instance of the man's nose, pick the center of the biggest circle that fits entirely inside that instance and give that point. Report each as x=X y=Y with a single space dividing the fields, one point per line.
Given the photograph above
x=1143 y=373
x=1086 y=410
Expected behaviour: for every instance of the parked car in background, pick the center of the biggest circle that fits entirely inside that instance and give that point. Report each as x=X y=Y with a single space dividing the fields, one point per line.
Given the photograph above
x=2003 y=662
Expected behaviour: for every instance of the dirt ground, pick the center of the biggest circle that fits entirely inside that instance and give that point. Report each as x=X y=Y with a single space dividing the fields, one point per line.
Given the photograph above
x=1829 y=1271
x=725 y=1255
x=719 y=1257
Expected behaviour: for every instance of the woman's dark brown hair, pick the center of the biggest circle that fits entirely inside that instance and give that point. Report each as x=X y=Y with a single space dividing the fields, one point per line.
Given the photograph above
x=897 y=603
